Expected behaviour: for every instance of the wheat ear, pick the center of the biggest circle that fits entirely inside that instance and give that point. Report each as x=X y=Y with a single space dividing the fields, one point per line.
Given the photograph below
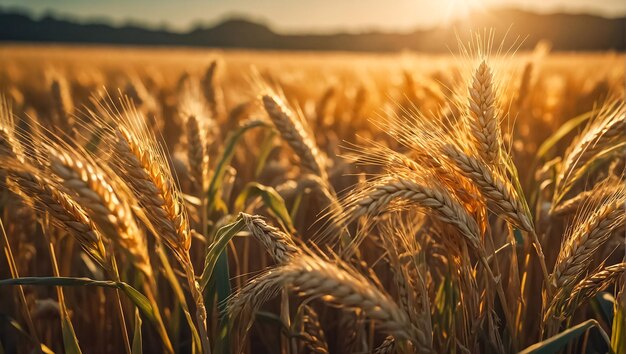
x=311 y=332
x=9 y=144
x=64 y=211
x=594 y=283
x=570 y=205
x=143 y=165
x=495 y=188
x=591 y=230
x=212 y=91
x=293 y=132
x=197 y=156
x=278 y=244
x=604 y=133
x=311 y=276
x=484 y=123
x=104 y=196
x=525 y=85
x=62 y=102
x=566 y=301
x=378 y=198
x=154 y=188
x=606 y=188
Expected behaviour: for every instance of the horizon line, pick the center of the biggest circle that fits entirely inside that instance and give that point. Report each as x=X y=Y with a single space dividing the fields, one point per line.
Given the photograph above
x=195 y=25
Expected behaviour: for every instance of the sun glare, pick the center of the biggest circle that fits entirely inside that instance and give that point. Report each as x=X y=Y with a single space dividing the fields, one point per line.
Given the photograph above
x=461 y=9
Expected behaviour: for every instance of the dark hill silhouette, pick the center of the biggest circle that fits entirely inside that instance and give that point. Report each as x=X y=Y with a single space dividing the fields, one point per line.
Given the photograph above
x=566 y=32
x=235 y=33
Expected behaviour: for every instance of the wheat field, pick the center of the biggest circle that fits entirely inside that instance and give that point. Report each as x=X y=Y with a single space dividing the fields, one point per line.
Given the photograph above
x=164 y=200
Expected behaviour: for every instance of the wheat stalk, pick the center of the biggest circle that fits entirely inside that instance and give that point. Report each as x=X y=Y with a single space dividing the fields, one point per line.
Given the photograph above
x=590 y=231
x=602 y=134
x=311 y=276
x=279 y=244
x=143 y=165
x=596 y=220
x=64 y=211
x=495 y=188
x=62 y=101
x=378 y=198
x=104 y=196
x=446 y=208
x=567 y=301
x=9 y=144
x=293 y=132
x=197 y=156
x=154 y=188
x=594 y=283
x=212 y=92
x=311 y=332
x=484 y=123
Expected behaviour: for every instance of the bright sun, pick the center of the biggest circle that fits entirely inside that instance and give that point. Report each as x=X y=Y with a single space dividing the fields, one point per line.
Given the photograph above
x=462 y=9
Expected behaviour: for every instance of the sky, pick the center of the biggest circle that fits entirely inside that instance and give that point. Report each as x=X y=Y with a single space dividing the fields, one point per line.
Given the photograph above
x=300 y=15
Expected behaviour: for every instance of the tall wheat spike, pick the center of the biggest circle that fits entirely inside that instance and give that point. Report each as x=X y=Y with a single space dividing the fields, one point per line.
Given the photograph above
x=62 y=102
x=141 y=161
x=197 y=156
x=483 y=122
x=145 y=169
x=212 y=91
